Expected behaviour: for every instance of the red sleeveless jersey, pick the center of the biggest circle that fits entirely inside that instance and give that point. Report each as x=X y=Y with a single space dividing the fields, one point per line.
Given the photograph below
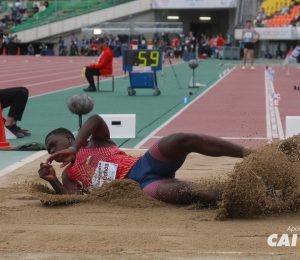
x=86 y=161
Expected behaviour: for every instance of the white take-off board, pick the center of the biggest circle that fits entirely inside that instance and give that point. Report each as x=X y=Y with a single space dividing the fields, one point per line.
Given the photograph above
x=292 y=126
x=120 y=125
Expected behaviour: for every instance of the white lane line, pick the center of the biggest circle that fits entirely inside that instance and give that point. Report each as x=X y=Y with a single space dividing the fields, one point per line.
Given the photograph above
x=244 y=138
x=277 y=115
x=46 y=70
x=26 y=68
x=52 y=81
x=21 y=163
x=82 y=85
x=268 y=119
x=225 y=137
x=273 y=120
x=181 y=111
x=42 y=75
x=52 y=66
x=58 y=80
x=72 y=87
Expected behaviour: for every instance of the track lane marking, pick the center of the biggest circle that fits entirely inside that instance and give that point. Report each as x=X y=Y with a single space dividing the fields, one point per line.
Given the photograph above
x=273 y=120
x=147 y=138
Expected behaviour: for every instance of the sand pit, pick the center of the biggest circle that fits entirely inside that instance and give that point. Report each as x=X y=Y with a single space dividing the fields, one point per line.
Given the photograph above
x=132 y=228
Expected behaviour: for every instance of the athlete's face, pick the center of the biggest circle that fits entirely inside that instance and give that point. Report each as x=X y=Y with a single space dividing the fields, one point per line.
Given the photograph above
x=248 y=25
x=55 y=143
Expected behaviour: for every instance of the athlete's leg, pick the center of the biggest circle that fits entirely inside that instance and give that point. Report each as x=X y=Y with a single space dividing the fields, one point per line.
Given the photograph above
x=177 y=146
x=245 y=56
x=181 y=192
x=155 y=171
x=251 y=53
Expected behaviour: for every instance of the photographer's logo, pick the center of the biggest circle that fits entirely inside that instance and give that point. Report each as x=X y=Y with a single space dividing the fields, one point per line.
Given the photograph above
x=285 y=240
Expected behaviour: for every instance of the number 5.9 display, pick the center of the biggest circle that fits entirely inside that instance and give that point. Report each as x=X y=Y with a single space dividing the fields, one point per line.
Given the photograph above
x=142 y=58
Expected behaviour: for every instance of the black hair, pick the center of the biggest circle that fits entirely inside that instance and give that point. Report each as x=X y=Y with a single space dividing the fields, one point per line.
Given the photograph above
x=60 y=131
x=248 y=21
x=100 y=40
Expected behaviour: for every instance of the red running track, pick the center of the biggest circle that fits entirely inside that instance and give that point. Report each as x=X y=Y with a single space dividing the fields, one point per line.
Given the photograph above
x=290 y=98
x=46 y=74
x=233 y=109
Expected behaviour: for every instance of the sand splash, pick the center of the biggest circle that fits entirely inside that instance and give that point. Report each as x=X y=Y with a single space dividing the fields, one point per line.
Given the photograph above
x=265 y=182
x=119 y=192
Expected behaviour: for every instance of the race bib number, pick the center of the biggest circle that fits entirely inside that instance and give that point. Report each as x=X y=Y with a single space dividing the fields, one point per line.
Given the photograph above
x=248 y=36
x=105 y=172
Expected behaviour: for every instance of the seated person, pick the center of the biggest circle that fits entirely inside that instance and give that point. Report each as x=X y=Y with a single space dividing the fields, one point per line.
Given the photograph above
x=102 y=67
x=154 y=171
x=15 y=98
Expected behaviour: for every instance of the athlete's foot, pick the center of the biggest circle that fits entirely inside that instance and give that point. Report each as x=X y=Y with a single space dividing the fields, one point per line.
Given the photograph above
x=243 y=68
x=252 y=68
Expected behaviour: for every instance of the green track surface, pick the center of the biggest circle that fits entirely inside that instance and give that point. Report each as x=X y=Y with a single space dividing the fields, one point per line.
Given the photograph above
x=44 y=113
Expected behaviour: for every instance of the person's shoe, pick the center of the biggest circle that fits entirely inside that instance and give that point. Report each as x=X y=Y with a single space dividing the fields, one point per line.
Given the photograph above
x=243 y=68
x=252 y=68
x=17 y=131
x=90 y=89
x=24 y=131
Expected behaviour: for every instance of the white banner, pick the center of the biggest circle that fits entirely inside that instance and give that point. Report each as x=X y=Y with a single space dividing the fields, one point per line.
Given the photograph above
x=191 y=4
x=274 y=33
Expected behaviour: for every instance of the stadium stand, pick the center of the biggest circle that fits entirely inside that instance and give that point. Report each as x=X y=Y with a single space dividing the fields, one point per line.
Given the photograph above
x=60 y=10
x=278 y=13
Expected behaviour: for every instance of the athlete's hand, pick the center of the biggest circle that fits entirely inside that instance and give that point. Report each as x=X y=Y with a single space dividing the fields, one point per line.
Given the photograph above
x=65 y=156
x=47 y=172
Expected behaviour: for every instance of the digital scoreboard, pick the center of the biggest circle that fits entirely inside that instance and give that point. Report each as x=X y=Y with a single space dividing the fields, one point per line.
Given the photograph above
x=142 y=58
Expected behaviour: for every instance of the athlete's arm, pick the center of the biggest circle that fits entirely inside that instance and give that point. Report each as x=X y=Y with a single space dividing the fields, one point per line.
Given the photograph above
x=95 y=127
x=243 y=34
x=47 y=173
x=257 y=35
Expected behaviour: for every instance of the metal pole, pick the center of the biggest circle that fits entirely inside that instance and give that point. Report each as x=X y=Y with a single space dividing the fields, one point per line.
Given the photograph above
x=80 y=121
x=55 y=5
x=193 y=77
